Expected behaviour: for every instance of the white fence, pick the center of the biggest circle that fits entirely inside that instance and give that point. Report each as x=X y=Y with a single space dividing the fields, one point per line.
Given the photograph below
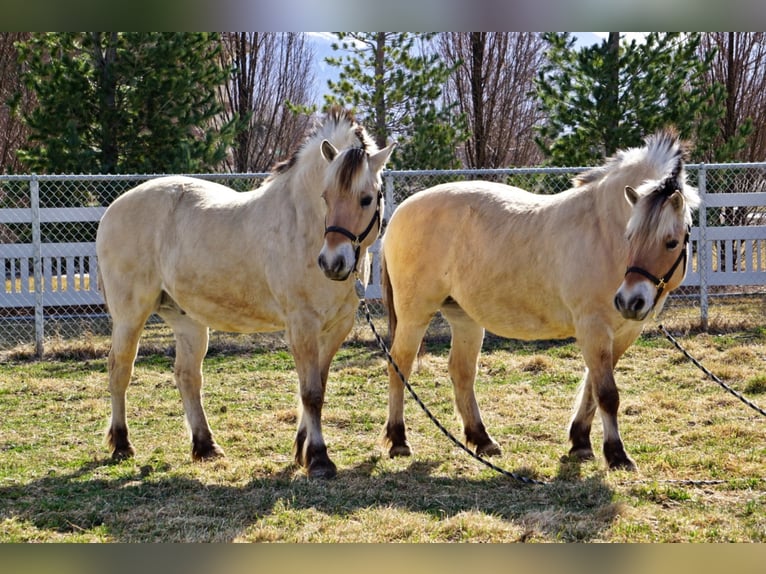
x=48 y=254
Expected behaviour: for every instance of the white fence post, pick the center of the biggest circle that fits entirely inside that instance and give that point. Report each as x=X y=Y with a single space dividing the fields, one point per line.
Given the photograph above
x=389 y=197
x=702 y=248
x=34 y=195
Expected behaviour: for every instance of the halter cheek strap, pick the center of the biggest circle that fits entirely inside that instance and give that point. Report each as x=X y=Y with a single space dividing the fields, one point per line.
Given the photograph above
x=661 y=282
x=357 y=240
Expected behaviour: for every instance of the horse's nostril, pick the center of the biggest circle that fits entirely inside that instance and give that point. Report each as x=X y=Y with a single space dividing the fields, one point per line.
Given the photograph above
x=619 y=304
x=322 y=262
x=638 y=303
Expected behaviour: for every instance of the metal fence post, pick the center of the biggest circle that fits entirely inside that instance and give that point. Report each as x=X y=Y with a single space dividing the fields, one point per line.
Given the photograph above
x=34 y=200
x=702 y=248
x=389 y=197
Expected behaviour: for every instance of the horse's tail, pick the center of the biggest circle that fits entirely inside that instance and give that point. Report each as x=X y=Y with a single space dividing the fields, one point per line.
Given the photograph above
x=100 y=287
x=388 y=298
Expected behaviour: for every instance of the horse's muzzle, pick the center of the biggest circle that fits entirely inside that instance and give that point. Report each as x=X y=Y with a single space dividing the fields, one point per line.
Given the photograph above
x=336 y=266
x=633 y=305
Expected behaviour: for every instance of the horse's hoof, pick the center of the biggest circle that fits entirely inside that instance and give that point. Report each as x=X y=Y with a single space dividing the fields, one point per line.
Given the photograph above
x=322 y=470
x=211 y=452
x=617 y=458
x=623 y=464
x=400 y=450
x=489 y=449
x=579 y=455
x=125 y=453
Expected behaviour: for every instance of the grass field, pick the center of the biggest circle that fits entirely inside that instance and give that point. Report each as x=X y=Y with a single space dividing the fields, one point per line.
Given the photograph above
x=58 y=484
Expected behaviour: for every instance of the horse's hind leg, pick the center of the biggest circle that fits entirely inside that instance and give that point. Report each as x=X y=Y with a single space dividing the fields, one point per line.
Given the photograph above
x=467 y=338
x=121 y=358
x=407 y=340
x=191 y=346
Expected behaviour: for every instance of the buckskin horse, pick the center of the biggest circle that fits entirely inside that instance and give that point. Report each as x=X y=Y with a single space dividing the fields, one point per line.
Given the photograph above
x=530 y=267
x=202 y=255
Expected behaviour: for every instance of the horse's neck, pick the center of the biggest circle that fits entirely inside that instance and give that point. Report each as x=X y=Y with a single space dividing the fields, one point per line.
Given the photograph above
x=303 y=184
x=603 y=204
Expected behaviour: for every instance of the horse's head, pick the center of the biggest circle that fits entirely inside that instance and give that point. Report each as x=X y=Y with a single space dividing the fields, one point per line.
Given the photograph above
x=657 y=234
x=354 y=199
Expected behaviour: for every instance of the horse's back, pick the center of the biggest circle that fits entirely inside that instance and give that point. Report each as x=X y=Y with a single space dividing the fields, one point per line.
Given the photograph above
x=162 y=199
x=464 y=215
x=139 y=234
x=508 y=258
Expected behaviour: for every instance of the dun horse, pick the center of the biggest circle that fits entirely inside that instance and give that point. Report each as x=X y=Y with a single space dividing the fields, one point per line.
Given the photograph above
x=200 y=254
x=529 y=267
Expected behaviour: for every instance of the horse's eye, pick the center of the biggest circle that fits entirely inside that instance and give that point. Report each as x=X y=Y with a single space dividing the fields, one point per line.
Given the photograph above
x=365 y=201
x=672 y=244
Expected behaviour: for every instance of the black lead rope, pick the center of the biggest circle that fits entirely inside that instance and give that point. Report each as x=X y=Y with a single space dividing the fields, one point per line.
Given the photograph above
x=709 y=374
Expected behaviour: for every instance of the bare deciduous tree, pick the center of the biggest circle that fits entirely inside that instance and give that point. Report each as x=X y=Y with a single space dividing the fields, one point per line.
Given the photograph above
x=13 y=132
x=494 y=88
x=269 y=69
x=740 y=66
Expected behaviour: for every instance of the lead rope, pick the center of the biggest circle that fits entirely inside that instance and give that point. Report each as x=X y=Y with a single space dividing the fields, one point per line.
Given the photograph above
x=708 y=373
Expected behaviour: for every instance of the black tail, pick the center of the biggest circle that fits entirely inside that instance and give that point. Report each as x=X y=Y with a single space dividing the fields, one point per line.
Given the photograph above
x=388 y=299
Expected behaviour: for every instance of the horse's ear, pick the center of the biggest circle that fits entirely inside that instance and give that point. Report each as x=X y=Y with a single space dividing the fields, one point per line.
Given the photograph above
x=677 y=200
x=379 y=159
x=328 y=150
x=631 y=195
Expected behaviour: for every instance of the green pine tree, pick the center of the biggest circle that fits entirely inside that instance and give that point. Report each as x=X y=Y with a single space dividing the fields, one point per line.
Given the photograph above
x=112 y=102
x=395 y=86
x=609 y=96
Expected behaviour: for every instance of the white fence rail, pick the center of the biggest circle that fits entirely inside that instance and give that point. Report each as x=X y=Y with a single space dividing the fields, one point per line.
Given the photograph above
x=49 y=259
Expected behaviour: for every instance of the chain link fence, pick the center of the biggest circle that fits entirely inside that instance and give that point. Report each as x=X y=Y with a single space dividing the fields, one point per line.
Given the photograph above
x=48 y=226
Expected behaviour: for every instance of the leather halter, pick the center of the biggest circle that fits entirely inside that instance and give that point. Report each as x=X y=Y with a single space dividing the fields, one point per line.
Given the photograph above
x=357 y=240
x=661 y=282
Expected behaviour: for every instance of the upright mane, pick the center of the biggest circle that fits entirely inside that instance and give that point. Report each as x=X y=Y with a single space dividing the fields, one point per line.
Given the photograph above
x=656 y=170
x=661 y=157
x=339 y=127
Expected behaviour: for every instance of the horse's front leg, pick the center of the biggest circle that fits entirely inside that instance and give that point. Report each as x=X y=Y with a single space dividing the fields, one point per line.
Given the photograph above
x=582 y=419
x=599 y=390
x=309 y=448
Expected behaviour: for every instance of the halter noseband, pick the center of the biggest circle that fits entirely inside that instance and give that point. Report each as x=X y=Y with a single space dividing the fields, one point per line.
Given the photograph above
x=661 y=282
x=356 y=240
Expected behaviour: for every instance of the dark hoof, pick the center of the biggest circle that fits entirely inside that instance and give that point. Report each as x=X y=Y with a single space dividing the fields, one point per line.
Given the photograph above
x=579 y=455
x=322 y=470
x=123 y=453
x=617 y=458
x=395 y=438
x=481 y=441
x=489 y=449
x=400 y=450
x=211 y=451
x=316 y=462
x=623 y=464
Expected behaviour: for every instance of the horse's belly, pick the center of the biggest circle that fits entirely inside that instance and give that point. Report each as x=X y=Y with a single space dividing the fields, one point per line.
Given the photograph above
x=528 y=328
x=526 y=320
x=224 y=311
